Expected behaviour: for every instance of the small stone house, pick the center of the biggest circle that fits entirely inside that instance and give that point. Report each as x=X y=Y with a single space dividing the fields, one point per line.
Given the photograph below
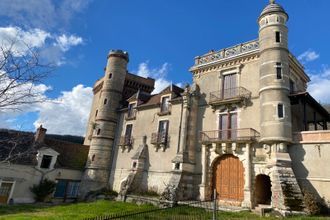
x=26 y=159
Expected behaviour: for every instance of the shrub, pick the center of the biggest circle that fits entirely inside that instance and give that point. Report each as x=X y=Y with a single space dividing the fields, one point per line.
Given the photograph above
x=43 y=190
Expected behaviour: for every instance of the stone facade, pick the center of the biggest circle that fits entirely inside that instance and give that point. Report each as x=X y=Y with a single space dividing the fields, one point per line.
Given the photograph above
x=232 y=132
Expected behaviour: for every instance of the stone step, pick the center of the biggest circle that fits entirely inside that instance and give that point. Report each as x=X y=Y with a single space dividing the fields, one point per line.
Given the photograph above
x=262 y=209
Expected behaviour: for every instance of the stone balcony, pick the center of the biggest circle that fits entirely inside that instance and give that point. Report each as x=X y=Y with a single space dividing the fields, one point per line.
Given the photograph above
x=232 y=95
x=240 y=135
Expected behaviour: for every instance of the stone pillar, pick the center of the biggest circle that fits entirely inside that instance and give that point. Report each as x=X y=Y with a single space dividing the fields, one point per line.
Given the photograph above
x=247 y=177
x=203 y=185
x=185 y=114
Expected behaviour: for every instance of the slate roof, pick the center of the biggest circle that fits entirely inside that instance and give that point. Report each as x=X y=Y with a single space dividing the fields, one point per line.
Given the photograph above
x=152 y=100
x=22 y=144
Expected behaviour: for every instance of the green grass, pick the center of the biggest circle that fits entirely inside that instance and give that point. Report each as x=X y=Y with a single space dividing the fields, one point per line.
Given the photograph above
x=101 y=208
x=70 y=211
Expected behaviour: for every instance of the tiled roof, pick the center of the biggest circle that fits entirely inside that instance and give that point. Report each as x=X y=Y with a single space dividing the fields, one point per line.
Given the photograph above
x=72 y=155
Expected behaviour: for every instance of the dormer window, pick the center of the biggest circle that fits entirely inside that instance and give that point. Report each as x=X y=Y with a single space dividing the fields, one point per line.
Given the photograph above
x=165 y=104
x=46 y=158
x=131 y=113
x=46 y=161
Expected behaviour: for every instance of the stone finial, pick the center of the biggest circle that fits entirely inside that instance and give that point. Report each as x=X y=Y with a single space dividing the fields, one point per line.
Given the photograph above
x=271 y=1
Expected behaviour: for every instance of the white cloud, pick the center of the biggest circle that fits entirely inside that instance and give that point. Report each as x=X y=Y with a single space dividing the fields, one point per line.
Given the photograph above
x=159 y=74
x=21 y=40
x=51 y=47
x=45 y=14
x=65 y=42
x=319 y=86
x=308 y=56
x=67 y=114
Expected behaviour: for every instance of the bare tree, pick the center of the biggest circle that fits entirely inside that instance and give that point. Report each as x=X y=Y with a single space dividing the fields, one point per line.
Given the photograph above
x=21 y=76
x=17 y=147
x=20 y=73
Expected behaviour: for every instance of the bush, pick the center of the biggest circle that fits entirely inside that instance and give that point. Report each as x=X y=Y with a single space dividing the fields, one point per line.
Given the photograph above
x=43 y=190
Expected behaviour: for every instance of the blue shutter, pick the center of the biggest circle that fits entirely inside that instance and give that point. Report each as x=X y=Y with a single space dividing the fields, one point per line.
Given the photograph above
x=60 y=189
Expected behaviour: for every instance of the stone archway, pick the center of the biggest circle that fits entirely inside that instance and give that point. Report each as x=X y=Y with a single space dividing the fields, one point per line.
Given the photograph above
x=228 y=179
x=262 y=190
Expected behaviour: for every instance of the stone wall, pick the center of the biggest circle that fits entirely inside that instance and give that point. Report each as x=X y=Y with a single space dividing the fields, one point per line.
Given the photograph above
x=310 y=161
x=24 y=177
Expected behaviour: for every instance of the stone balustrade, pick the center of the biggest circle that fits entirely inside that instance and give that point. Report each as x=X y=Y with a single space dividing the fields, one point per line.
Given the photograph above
x=227 y=52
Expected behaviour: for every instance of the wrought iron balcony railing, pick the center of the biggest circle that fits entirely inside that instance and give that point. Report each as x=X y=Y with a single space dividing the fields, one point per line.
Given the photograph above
x=159 y=138
x=230 y=135
x=126 y=141
x=236 y=94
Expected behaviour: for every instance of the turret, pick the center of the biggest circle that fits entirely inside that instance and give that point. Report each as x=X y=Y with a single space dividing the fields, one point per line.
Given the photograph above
x=98 y=165
x=274 y=75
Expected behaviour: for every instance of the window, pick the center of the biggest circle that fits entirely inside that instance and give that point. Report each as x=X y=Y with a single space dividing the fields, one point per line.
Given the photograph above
x=93 y=157
x=5 y=190
x=128 y=131
x=46 y=161
x=98 y=131
x=105 y=101
x=134 y=164
x=97 y=111
x=66 y=189
x=280 y=110
x=177 y=166
x=131 y=109
x=229 y=85
x=278 y=70
x=291 y=86
x=228 y=125
x=165 y=104
x=110 y=75
x=278 y=37
x=163 y=130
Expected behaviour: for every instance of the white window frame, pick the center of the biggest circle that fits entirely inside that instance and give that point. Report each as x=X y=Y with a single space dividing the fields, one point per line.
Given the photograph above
x=161 y=101
x=279 y=66
x=134 y=108
x=10 y=196
x=49 y=152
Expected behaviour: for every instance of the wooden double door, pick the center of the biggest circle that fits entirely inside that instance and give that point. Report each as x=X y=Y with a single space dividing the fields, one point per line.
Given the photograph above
x=228 y=178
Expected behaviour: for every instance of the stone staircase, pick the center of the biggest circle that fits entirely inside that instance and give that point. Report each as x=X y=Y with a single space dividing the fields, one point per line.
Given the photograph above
x=263 y=210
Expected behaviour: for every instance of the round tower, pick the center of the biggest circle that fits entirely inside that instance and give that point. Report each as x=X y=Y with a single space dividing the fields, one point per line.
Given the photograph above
x=274 y=75
x=98 y=165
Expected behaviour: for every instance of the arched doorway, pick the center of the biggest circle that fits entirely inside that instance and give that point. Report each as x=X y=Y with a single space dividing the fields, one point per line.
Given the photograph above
x=228 y=178
x=262 y=190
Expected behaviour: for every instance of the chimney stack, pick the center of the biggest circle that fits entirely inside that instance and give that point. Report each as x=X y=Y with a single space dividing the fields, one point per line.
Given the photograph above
x=40 y=135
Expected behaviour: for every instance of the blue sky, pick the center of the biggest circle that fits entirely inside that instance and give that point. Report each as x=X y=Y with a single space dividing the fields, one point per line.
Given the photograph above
x=162 y=38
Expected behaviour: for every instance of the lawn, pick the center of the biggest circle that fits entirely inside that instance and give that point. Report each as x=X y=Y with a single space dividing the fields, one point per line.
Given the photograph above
x=102 y=208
